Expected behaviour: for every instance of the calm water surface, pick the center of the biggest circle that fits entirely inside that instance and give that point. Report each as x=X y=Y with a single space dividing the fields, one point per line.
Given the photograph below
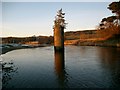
x=78 y=67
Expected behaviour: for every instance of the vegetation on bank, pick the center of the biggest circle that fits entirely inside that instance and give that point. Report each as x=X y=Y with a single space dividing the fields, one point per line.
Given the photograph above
x=24 y=40
x=13 y=43
x=12 y=46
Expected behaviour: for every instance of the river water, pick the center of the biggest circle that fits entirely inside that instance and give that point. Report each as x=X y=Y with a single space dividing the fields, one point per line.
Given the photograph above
x=78 y=67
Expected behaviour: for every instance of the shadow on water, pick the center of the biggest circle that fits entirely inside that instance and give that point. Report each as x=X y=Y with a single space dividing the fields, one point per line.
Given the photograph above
x=8 y=71
x=110 y=59
x=61 y=74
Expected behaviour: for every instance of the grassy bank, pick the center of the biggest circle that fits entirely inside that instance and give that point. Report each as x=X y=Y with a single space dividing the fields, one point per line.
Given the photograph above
x=7 y=49
x=110 y=42
x=107 y=43
x=109 y=37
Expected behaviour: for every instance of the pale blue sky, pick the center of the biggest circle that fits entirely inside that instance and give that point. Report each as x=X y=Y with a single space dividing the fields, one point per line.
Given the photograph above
x=36 y=18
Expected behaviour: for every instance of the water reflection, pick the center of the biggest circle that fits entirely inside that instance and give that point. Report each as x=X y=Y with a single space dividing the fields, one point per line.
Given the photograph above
x=83 y=67
x=110 y=59
x=60 y=68
x=8 y=70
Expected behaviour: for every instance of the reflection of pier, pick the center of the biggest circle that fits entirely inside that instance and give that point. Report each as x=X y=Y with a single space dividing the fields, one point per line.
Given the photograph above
x=60 y=68
x=59 y=62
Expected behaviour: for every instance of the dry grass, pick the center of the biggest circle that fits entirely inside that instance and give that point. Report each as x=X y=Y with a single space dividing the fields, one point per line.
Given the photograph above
x=101 y=35
x=70 y=42
x=34 y=43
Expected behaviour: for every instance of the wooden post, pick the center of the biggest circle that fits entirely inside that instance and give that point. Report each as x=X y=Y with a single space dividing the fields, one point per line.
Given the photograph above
x=59 y=38
x=59 y=25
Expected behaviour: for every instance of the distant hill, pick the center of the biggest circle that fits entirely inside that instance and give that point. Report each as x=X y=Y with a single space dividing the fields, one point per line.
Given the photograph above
x=69 y=35
x=23 y=40
x=85 y=37
x=92 y=38
x=73 y=35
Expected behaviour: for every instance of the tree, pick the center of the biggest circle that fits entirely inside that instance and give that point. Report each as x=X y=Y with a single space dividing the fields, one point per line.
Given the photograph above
x=112 y=20
x=108 y=22
x=115 y=8
x=59 y=19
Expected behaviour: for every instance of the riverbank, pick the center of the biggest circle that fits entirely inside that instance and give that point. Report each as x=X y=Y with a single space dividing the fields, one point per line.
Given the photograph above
x=86 y=42
x=113 y=41
x=99 y=43
x=4 y=48
x=94 y=42
x=92 y=38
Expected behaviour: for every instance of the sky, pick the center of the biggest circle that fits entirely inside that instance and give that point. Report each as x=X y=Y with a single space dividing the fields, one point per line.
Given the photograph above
x=21 y=19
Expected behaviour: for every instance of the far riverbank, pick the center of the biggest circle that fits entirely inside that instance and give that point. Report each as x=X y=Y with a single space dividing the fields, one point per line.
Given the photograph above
x=76 y=43
x=4 y=48
x=95 y=42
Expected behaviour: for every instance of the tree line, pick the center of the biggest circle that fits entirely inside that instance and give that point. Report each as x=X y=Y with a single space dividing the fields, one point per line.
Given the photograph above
x=23 y=40
x=112 y=23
